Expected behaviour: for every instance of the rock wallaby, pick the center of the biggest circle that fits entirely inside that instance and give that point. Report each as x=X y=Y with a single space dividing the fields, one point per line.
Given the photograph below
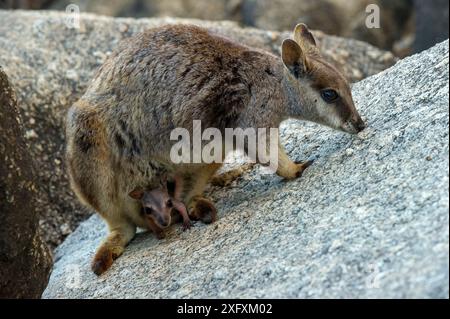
x=160 y=207
x=118 y=133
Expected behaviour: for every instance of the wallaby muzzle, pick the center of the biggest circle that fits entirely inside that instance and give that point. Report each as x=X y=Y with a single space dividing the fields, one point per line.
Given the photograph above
x=353 y=126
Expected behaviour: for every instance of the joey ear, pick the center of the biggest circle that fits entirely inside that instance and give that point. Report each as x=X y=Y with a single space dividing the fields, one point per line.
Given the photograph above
x=305 y=39
x=293 y=57
x=136 y=194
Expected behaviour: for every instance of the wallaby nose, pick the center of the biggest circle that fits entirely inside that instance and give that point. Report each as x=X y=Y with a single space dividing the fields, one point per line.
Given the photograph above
x=360 y=125
x=164 y=222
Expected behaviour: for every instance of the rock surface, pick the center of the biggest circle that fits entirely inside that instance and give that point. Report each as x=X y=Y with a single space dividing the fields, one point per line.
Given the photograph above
x=25 y=261
x=51 y=65
x=337 y=17
x=370 y=218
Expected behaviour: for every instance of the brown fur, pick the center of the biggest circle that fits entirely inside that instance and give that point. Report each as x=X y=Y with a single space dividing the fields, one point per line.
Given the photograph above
x=118 y=132
x=227 y=178
x=160 y=206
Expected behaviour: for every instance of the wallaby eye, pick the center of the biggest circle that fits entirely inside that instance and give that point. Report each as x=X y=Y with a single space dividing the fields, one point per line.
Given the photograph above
x=148 y=211
x=329 y=95
x=169 y=203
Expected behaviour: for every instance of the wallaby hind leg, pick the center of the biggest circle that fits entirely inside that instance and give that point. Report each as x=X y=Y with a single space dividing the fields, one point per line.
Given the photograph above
x=199 y=207
x=227 y=178
x=285 y=167
x=120 y=234
x=289 y=169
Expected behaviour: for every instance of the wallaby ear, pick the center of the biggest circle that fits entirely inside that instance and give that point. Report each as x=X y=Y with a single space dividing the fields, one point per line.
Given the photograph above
x=293 y=57
x=305 y=39
x=136 y=194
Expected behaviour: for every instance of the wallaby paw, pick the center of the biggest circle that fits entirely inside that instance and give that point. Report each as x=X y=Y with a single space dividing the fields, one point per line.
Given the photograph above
x=227 y=178
x=293 y=170
x=104 y=258
x=203 y=209
x=160 y=235
x=102 y=261
x=186 y=225
x=301 y=166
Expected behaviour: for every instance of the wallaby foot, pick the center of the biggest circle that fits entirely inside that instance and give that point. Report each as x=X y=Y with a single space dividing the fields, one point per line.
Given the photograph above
x=227 y=178
x=112 y=248
x=160 y=234
x=302 y=166
x=202 y=209
x=291 y=170
x=199 y=207
x=106 y=254
x=187 y=224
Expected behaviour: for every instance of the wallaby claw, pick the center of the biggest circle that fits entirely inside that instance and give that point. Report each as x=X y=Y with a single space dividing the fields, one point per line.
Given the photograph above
x=204 y=210
x=160 y=235
x=302 y=166
x=186 y=225
x=102 y=261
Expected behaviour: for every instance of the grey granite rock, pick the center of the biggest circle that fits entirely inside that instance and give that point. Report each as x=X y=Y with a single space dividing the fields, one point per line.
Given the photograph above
x=370 y=218
x=337 y=17
x=50 y=65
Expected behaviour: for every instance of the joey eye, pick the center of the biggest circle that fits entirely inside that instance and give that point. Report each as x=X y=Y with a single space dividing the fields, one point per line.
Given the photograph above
x=329 y=95
x=169 y=203
x=148 y=211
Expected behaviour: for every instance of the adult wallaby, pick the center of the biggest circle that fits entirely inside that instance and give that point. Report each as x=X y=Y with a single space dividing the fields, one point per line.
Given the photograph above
x=118 y=133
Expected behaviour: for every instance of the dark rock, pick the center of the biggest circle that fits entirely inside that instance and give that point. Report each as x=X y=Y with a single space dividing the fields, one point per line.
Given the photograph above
x=431 y=23
x=25 y=261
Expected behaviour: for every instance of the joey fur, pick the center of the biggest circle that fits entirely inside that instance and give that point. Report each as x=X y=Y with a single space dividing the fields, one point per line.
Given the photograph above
x=161 y=209
x=118 y=133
